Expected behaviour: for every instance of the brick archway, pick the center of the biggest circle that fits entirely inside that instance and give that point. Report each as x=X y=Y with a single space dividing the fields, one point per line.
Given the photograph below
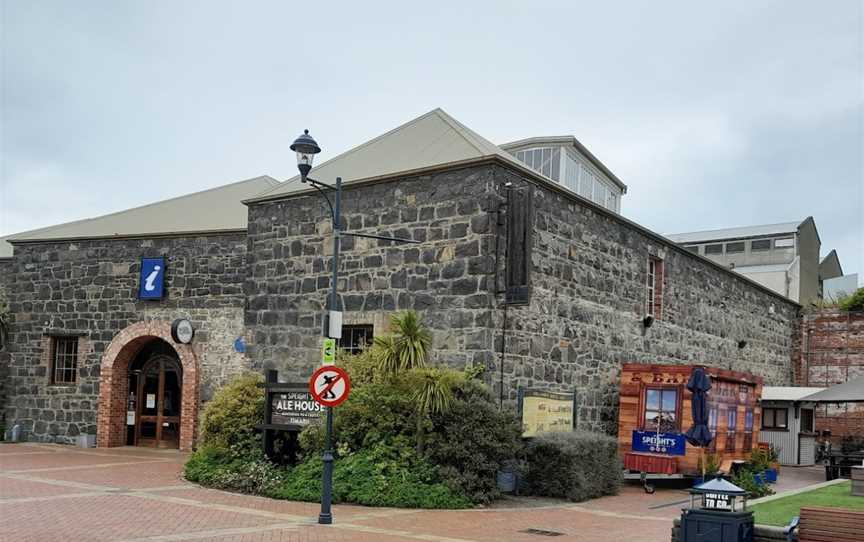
x=114 y=383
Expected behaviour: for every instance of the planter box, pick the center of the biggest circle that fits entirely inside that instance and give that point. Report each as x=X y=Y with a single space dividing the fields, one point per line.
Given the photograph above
x=770 y=476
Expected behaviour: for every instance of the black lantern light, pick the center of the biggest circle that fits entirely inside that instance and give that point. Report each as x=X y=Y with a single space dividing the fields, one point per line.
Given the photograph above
x=306 y=149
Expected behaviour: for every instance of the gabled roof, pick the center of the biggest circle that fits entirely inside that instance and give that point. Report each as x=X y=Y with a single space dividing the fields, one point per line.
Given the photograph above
x=432 y=140
x=736 y=233
x=213 y=210
x=565 y=140
x=787 y=393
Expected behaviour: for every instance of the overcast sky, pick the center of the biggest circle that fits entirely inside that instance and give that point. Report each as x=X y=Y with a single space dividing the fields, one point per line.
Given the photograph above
x=714 y=114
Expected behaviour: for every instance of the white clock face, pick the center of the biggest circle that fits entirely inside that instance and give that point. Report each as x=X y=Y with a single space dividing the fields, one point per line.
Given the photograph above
x=185 y=331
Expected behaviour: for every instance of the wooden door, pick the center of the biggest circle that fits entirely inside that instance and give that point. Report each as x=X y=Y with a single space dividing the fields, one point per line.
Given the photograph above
x=157 y=423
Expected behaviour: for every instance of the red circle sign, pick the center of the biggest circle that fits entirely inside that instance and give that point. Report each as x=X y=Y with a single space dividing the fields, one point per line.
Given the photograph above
x=329 y=385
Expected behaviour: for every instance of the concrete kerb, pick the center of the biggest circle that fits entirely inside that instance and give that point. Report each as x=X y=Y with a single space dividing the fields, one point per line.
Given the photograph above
x=791 y=492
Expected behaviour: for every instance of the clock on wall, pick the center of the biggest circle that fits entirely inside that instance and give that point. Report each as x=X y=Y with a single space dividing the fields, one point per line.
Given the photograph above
x=182 y=331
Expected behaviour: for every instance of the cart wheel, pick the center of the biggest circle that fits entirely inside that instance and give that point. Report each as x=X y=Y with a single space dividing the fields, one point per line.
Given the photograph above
x=649 y=489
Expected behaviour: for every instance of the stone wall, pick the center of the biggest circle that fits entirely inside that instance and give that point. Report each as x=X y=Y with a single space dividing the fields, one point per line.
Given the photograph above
x=830 y=351
x=588 y=300
x=588 y=277
x=89 y=289
x=446 y=278
x=5 y=278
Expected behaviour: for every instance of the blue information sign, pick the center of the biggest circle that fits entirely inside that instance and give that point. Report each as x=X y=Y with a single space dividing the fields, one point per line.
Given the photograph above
x=151 y=280
x=658 y=443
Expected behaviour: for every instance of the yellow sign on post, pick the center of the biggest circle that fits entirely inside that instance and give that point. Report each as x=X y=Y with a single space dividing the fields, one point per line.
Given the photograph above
x=328 y=352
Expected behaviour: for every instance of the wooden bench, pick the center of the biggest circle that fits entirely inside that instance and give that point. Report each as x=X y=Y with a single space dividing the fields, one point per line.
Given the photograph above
x=831 y=525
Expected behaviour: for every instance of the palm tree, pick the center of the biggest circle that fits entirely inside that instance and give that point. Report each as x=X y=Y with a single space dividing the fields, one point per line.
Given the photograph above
x=407 y=347
x=433 y=395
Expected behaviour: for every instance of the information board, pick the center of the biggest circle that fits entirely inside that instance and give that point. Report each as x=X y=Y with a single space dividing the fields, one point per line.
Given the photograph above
x=294 y=408
x=546 y=412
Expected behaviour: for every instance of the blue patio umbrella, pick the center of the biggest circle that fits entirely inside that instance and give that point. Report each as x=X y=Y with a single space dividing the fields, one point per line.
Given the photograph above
x=699 y=434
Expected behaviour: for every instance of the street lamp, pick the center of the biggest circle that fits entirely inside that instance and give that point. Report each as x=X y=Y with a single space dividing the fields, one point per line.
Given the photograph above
x=306 y=148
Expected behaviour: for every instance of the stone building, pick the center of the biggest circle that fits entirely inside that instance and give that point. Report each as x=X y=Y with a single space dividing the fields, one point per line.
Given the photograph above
x=514 y=270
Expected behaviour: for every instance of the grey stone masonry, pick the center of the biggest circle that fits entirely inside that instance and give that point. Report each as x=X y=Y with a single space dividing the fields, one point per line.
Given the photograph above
x=448 y=278
x=5 y=279
x=588 y=288
x=589 y=292
x=89 y=289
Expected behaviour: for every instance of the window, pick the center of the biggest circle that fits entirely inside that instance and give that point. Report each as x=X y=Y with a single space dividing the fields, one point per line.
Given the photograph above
x=786 y=242
x=775 y=418
x=731 y=422
x=732 y=248
x=64 y=360
x=355 y=338
x=661 y=410
x=714 y=249
x=806 y=420
x=760 y=244
x=712 y=427
x=545 y=160
x=692 y=248
x=748 y=429
x=654 y=288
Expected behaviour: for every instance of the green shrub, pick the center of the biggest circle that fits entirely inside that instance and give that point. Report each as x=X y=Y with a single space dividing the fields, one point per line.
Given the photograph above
x=745 y=478
x=854 y=302
x=229 y=419
x=575 y=466
x=385 y=475
x=472 y=441
x=216 y=467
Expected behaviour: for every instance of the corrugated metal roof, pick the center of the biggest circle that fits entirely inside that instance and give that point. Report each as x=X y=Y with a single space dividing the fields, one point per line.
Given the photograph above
x=215 y=209
x=848 y=392
x=734 y=233
x=787 y=393
x=433 y=139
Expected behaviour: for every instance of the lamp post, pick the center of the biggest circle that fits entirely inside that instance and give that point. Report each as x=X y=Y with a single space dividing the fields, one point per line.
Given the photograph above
x=306 y=148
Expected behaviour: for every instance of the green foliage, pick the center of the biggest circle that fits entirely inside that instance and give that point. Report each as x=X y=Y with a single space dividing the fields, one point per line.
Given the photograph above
x=774 y=454
x=854 y=302
x=575 y=466
x=472 y=441
x=760 y=460
x=229 y=419
x=385 y=475
x=216 y=467
x=746 y=480
x=407 y=347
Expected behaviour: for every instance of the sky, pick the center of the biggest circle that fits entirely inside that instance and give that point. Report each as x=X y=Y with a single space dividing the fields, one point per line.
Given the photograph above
x=714 y=114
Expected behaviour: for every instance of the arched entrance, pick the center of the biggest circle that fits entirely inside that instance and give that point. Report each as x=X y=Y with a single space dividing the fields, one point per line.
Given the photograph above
x=155 y=394
x=148 y=389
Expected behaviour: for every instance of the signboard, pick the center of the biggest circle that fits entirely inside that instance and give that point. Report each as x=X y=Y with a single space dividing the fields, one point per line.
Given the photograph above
x=546 y=412
x=151 y=279
x=658 y=443
x=294 y=408
x=328 y=352
x=329 y=385
x=130 y=417
x=717 y=501
x=151 y=400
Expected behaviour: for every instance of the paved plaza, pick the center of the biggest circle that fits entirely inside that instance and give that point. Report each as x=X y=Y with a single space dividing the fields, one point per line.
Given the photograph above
x=60 y=493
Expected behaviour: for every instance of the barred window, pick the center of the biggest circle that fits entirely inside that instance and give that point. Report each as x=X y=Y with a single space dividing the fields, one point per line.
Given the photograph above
x=355 y=338
x=64 y=360
x=654 y=288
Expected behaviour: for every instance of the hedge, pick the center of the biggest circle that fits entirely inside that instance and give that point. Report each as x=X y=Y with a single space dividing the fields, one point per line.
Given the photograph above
x=575 y=466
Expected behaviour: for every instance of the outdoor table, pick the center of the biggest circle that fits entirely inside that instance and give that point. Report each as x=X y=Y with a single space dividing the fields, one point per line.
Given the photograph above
x=840 y=464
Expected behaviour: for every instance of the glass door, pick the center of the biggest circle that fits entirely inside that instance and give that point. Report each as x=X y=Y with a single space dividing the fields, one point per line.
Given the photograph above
x=158 y=419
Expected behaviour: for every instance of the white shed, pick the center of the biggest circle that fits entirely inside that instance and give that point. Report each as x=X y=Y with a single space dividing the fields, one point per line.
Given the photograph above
x=787 y=423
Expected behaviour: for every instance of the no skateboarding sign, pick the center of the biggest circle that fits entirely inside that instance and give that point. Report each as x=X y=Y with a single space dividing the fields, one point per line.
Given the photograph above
x=329 y=385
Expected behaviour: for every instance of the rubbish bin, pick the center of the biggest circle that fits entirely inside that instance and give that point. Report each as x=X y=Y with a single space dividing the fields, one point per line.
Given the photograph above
x=717 y=513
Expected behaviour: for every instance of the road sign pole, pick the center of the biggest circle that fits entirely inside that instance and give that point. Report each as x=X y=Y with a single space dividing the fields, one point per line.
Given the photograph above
x=325 y=517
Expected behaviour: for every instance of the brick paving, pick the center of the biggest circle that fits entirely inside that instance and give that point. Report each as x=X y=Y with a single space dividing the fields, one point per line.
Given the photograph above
x=51 y=493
